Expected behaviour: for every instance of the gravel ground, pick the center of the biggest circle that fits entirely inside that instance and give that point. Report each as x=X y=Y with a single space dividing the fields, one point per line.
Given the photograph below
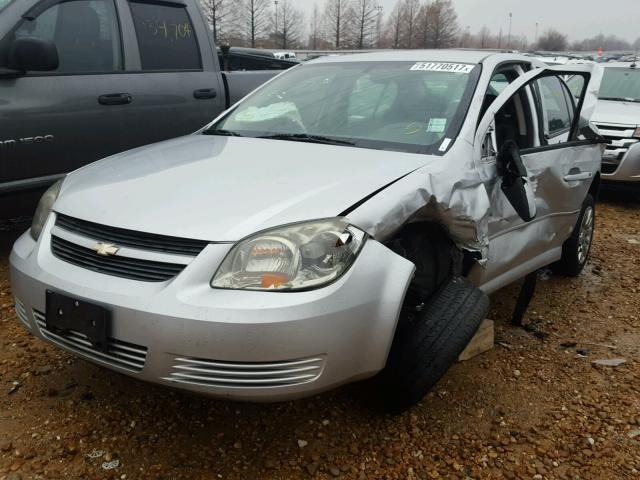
x=536 y=406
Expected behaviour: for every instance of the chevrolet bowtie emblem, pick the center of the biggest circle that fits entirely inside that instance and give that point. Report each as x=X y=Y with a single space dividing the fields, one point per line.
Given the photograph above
x=106 y=249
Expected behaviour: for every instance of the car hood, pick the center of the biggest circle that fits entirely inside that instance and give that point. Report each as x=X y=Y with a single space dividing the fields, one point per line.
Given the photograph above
x=622 y=113
x=225 y=188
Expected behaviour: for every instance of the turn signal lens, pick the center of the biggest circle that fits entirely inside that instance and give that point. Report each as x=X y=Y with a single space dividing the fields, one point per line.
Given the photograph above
x=273 y=280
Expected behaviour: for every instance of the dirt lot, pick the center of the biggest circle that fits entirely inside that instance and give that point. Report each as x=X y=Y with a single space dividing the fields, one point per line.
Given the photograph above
x=533 y=407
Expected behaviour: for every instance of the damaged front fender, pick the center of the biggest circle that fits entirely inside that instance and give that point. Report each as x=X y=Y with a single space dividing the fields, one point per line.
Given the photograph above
x=455 y=190
x=448 y=190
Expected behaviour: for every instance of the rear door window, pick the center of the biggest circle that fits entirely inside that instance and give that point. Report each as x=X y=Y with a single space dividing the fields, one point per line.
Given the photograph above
x=165 y=36
x=557 y=115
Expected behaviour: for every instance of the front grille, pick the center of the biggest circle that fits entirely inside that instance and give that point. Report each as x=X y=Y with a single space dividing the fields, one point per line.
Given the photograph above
x=619 y=138
x=21 y=313
x=214 y=373
x=118 y=266
x=130 y=238
x=125 y=355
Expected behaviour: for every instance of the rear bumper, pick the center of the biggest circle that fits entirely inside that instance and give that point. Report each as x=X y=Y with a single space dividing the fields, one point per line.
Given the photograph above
x=255 y=346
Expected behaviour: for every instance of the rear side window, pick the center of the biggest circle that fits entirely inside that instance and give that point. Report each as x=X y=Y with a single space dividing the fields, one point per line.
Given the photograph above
x=166 y=37
x=557 y=116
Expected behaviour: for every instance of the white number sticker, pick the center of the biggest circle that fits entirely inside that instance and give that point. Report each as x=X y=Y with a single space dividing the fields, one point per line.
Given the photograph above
x=442 y=67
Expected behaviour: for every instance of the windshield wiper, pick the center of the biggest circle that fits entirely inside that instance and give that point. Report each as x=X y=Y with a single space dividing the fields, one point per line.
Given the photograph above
x=221 y=132
x=303 y=137
x=621 y=99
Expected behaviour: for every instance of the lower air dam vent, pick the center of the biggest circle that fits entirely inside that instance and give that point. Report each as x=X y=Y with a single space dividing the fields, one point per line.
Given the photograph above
x=214 y=373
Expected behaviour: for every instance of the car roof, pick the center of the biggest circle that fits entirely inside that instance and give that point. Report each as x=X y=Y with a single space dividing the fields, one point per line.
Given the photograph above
x=441 y=55
x=621 y=64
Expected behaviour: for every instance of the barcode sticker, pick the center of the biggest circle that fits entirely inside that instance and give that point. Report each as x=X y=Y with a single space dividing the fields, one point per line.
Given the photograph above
x=445 y=144
x=442 y=67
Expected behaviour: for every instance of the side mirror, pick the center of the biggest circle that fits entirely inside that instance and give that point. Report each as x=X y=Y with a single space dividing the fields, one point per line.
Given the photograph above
x=515 y=181
x=31 y=54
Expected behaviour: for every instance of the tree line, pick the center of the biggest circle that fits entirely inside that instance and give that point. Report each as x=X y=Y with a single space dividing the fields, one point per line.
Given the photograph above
x=362 y=24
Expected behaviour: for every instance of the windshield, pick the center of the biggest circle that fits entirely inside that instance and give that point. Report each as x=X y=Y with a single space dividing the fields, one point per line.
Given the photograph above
x=622 y=84
x=401 y=106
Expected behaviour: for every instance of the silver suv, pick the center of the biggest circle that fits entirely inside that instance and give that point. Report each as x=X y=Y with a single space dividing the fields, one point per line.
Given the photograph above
x=618 y=119
x=345 y=221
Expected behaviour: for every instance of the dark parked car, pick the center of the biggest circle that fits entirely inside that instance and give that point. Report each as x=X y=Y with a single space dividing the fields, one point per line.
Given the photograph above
x=85 y=79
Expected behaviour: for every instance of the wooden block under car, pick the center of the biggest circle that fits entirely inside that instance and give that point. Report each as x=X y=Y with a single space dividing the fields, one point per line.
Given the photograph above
x=480 y=343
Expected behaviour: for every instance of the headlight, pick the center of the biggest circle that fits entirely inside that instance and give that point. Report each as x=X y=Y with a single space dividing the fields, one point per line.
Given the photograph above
x=44 y=209
x=291 y=258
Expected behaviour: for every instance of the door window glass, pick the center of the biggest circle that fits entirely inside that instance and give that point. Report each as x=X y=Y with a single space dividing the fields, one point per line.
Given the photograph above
x=4 y=3
x=554 y=102
x=85 y=33
x=498 y=83
x=166 y=37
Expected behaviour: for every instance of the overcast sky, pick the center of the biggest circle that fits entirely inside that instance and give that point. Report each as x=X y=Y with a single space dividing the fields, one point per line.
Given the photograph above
x=577 y=18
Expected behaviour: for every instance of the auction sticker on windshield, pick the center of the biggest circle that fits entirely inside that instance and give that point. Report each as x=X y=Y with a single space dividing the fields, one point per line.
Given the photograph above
x=442 y=67
x=437 y=125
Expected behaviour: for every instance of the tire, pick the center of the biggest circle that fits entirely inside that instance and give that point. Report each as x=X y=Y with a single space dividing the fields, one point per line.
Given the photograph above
x=575 y=251
x=426 y=345
x=432 y=252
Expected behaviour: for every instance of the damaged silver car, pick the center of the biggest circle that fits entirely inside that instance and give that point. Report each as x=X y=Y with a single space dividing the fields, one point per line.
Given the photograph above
x=345 y=221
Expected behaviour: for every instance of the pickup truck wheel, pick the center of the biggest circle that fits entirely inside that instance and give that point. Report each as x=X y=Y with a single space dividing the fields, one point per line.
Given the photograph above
x=426 y=345
x=575 y=251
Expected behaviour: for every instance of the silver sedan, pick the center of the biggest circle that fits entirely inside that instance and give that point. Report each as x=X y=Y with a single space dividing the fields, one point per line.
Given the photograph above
x=344 y=221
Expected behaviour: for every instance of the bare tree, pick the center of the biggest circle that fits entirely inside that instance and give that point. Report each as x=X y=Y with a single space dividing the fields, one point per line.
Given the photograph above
x=287 y=23
x=394 y=26
x=315 y=28
x=484 y=37
x=636 y=44
x=424 y=24
x=379 y=28
x=442 y=29
x=338 y=16
x=220 y=15
x=409 y=13
x=365 y=16
x=552 y=41
x=519 y=42
x=254 y=14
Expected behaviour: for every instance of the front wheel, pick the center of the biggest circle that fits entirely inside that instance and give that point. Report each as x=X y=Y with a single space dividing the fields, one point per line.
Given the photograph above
x=428 y=342
x=575 y=251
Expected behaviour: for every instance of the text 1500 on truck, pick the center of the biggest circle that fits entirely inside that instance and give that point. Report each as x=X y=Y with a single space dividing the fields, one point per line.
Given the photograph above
x=345 y=221
x=85 y=79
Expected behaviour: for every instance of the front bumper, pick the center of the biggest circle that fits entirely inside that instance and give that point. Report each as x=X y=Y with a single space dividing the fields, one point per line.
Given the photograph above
x=254 y=346
x=625 y=169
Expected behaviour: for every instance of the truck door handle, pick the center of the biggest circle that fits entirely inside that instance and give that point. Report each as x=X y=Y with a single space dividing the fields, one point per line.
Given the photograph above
x=205 y=93
x=578 y=177
x=115 y=99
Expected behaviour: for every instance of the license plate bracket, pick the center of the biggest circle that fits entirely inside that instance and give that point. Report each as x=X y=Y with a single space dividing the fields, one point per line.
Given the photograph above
x=65 y=314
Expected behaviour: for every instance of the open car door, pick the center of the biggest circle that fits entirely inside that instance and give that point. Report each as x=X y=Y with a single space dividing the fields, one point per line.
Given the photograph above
x=540 y=156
